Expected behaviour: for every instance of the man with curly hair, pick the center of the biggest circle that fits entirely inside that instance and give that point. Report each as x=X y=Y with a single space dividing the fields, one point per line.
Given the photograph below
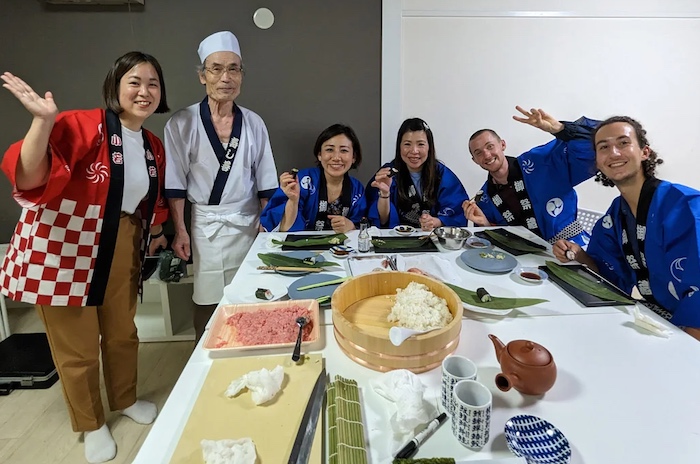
x=650 y=235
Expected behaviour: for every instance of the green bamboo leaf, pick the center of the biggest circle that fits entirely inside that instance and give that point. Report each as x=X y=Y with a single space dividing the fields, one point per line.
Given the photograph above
x=335 y=239
x=323 y=284
x=469 y=297
x=278 y=259
x=513 y=243
x=399 y=243
x=580 y=282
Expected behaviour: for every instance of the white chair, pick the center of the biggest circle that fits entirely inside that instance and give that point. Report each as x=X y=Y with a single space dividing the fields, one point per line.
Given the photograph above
x=588 y=218
x=4 y=320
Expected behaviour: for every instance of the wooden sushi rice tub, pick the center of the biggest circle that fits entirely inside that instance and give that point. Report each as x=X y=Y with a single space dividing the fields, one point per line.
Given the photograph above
x=360 y=308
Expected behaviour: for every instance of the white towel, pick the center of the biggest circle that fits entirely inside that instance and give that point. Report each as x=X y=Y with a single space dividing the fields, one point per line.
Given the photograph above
x=263 y=384
x=228 y=451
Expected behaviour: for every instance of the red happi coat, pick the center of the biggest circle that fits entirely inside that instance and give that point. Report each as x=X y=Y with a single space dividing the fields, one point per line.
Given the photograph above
x=58 y=254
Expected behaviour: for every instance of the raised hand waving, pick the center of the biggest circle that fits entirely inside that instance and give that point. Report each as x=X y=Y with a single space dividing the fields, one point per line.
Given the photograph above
x=44 y=108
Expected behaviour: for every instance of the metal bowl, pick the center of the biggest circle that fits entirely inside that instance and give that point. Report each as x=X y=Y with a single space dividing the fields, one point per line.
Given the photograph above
x=452 y=238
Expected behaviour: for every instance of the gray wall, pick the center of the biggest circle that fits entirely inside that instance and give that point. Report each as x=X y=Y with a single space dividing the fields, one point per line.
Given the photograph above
x=318 y=64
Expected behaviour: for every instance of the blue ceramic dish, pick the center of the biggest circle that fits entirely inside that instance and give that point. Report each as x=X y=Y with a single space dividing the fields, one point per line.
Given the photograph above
x=536 y=440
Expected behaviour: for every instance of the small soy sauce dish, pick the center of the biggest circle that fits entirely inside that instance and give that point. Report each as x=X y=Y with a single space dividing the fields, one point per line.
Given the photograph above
x=530 y=275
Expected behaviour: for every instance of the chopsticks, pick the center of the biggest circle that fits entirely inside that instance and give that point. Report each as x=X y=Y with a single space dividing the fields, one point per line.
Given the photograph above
x=290 y=268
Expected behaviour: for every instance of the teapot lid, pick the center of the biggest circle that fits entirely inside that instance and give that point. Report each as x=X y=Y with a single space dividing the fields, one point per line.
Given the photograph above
x=529 y=353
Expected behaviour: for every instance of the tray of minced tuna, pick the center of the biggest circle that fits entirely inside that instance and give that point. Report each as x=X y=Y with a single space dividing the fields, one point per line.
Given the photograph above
x=262 y=325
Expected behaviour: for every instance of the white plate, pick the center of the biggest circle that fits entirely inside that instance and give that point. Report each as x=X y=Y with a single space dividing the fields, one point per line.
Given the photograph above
x=404 y=230
x=247 y=295
x=519 y=271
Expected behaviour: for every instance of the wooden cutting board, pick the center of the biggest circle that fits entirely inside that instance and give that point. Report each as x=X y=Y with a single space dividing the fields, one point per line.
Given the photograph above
x=272 y=426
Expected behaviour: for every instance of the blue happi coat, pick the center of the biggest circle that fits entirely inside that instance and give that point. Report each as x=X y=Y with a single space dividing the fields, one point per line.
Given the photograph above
x=308 y=203
x=672 y=250
x=550 y=173
x=451 y=194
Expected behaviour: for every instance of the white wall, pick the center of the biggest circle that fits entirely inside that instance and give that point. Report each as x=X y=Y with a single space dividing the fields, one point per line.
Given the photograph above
x=464 y=65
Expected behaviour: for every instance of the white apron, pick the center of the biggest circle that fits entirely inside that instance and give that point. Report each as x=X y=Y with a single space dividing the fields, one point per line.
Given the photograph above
x=220 y=240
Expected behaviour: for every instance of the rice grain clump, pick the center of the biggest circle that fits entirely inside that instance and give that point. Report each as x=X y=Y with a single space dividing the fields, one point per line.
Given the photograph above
x=418 y=308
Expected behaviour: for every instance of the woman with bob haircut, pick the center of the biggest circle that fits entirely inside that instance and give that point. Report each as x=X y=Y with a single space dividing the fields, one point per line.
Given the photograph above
x=415 y=188
x=325 y=197
x=90 y=184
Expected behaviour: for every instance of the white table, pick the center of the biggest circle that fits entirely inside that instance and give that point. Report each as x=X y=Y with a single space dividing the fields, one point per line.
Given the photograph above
x=622 y=395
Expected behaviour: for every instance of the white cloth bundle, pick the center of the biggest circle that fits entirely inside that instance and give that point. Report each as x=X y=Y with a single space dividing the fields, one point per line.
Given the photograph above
x=405 y=389
x=229 y=451
x=263 y=384
x=649 y=324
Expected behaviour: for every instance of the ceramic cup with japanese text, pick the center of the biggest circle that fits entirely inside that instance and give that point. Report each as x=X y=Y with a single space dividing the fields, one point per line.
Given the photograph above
x=454 y=369
x=471 y=419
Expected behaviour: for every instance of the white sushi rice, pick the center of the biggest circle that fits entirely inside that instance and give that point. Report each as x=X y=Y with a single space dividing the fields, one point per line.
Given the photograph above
x=418 y=308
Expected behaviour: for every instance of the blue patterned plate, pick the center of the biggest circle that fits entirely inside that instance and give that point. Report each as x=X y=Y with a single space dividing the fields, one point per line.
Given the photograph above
x=536 y=440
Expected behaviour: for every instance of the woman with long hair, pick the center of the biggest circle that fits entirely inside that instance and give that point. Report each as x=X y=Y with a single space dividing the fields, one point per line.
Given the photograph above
x=415 y=188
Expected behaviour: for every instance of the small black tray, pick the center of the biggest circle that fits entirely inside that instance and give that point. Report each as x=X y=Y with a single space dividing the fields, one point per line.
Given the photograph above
x=294 y=238
x=583 y=297
x=511 y=235
x=427 y=246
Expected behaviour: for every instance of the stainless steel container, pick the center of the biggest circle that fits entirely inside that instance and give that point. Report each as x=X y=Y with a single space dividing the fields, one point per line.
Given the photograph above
x=452 y=238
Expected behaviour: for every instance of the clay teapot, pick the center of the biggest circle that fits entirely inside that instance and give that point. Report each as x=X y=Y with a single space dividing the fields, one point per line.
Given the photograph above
x=526 y=366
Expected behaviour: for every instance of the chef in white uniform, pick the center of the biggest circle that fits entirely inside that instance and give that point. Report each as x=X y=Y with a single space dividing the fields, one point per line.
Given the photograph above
x=219 y=158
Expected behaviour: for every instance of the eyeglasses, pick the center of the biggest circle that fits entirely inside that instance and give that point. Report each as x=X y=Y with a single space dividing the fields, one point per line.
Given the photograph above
x=218 y=71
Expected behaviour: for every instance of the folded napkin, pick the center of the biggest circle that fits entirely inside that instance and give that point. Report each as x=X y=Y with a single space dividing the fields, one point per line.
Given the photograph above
x=649 y=324
x=263 y=384
x=346 y=434
x=436 y=267
x=405 y=390
x=229 y=451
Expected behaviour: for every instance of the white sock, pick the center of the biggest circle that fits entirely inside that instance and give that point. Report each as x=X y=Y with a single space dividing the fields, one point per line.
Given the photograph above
x=142 y=412
x=99 y=445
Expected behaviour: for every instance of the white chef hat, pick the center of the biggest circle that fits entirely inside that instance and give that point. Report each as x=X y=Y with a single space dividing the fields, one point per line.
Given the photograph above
x=223 y=41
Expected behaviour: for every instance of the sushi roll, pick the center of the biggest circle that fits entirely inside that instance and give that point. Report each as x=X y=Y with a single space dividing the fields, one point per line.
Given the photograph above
x=263 y=294
x=309 y=261
x=483 y=295
x=392 y=172
x=294 y=172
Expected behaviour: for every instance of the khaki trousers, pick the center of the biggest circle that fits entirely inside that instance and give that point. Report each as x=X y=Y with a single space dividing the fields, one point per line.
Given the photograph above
x=76 y=334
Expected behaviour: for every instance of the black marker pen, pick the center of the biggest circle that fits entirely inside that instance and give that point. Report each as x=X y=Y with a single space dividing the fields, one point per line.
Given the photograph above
x=412 y=446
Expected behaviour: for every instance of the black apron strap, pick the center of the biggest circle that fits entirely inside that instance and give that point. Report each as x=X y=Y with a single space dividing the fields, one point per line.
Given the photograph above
x=410 y=212
x=225 y=156
x=112 y=212
x=322 y=222
x=638 y=263
x=527 y=212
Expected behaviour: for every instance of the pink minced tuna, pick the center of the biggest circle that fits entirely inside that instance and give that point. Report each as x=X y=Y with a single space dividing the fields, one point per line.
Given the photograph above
x=270 y=326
